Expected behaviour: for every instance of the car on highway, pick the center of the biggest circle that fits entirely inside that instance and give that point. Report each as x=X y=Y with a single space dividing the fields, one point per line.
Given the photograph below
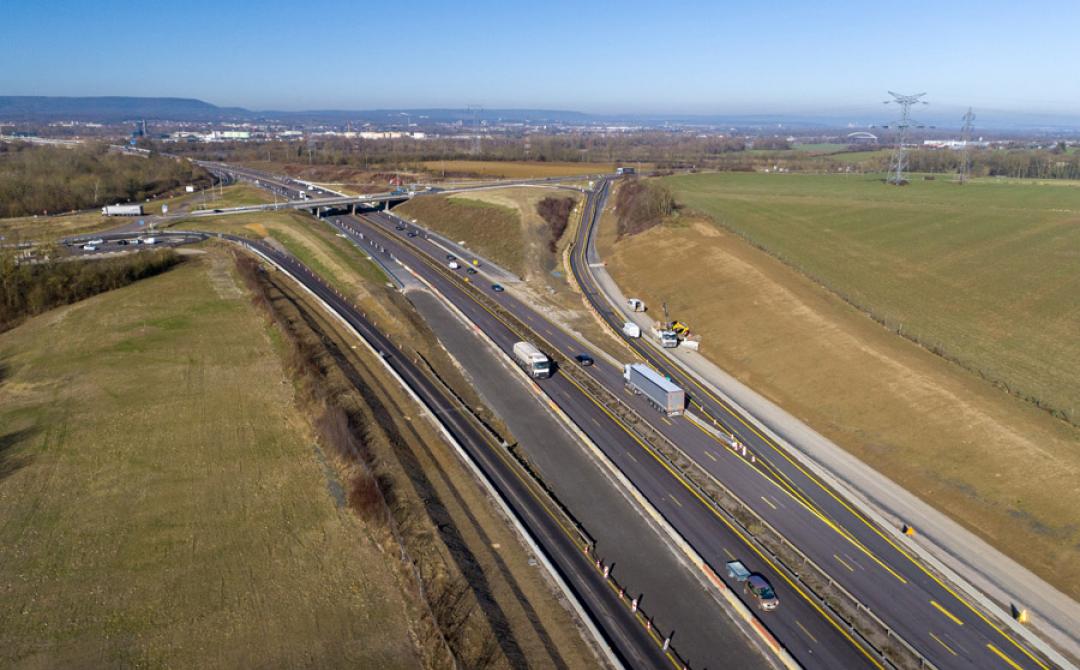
x=400 y=226
x=471 y=271
x=454 y=265
x=584 y=360
x=451 y=257
x=497 y=288
x=412 y=233
x=759 y=588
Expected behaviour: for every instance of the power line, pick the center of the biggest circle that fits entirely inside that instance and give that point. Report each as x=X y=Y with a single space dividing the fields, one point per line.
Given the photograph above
x=965 y=138
x=476 y=111
x=896 y=170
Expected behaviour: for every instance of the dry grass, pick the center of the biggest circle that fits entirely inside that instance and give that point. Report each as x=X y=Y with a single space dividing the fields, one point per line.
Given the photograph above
x=514 y=169
x=161 y=503
x=1001 y=467
x=52 y=227
x=522 y=248
x=494 y=609
x=493 y=230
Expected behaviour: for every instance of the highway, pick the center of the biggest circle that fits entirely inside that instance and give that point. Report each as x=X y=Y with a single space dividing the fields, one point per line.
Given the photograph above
x=798 y=623
x=928 y=613
x=632 y=645
x=938 y=622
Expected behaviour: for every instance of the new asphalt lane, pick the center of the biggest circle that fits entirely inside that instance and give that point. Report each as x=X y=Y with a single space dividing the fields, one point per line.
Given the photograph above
x=872 y=564
x=866 y=561
x=799 y=622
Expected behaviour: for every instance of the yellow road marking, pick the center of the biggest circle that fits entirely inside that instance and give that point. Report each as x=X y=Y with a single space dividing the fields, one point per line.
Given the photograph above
x=816 y=606
x=631 y=456
x=665 y=420
x=710 y=455
x=1003 y=657
x=808 y=633
x=768 y=502
x=843 y=563
x=812 y=509
x=675 y=499
x=939 y=641
x=729 y=554
x=947 y=613
x=648 y=356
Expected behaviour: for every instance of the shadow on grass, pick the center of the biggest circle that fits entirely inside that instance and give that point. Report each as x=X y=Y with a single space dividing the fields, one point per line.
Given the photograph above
x=10 y=463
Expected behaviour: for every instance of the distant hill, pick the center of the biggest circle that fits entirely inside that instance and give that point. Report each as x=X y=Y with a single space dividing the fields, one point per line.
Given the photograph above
x=108 y=109
x=113 y=108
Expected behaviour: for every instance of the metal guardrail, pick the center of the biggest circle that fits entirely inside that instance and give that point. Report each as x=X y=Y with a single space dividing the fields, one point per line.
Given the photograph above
x=841 y=603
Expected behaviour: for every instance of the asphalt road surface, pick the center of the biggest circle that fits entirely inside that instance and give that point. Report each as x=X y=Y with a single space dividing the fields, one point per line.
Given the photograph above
x=871 y=564
x=799 y=623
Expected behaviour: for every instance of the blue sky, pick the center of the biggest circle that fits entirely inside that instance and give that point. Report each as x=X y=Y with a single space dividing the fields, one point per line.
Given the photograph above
x=624 y=56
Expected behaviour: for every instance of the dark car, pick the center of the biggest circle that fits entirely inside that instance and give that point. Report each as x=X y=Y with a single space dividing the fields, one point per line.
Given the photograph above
x=412 y=233
x=123 y=243
x=217 y=211
x=399 y=227
x=451 y=257
x=471 y=271
x=497 y=288
x=758 y=588
x=584 y=360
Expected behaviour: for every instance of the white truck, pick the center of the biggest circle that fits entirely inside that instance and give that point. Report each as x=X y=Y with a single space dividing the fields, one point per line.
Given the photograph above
x=657 y=389
x=532 y=360
x=631 y=329
x=635 y=304
x=122 y=210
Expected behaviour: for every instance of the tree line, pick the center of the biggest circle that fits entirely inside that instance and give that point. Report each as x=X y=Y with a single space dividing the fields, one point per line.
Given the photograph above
x=27 y=289
x=46 y=180
x=642 y=204
x=556 y=213
x=663 y=149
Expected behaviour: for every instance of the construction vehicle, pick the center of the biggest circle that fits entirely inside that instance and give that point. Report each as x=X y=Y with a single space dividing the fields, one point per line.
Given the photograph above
x=669 y=339
x=680 y=328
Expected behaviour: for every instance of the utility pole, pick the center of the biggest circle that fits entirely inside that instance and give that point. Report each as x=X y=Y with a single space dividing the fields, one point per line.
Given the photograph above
x=965 y=138
x=901 y=125
x=476 y=110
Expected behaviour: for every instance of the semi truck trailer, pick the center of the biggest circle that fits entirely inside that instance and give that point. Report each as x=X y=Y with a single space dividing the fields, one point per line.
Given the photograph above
x=657 y=389
x=122 y=210
x=531 y=360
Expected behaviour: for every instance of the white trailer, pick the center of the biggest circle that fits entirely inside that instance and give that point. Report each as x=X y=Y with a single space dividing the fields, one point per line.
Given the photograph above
x=660 y=392
x=122 y=210
x=532 y=360
x=631 y=329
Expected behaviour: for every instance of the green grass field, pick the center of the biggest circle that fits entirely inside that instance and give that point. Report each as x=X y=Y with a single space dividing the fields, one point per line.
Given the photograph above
x=161 y=501
x=236 y=195
x=985 y=273
x=821 y=147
